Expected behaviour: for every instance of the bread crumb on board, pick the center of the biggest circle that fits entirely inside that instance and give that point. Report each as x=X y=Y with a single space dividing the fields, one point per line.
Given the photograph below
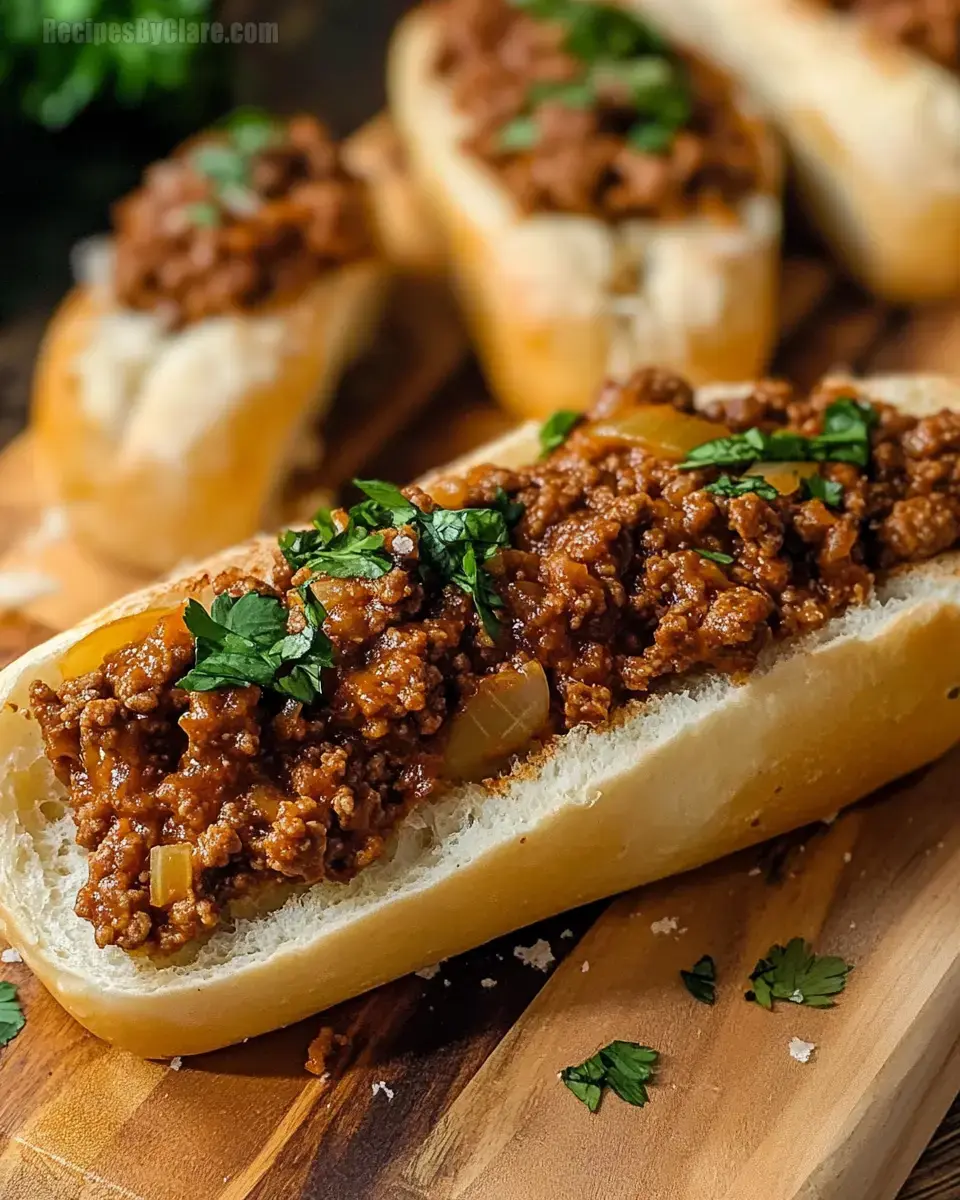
x=800 y=1050
x=665 y=925
x=10 y=956
x=539 y=955
x=430 y=972
x=381 y=1086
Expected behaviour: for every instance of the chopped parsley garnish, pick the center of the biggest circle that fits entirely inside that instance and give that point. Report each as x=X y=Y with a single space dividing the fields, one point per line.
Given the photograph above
x=556 y=429
x=453 y=543
x=12 y=1019
x=204 y=214
x=624 y=1067
x=701 y=980
x=228 y=164
x=716 y=556
x=727 y=486
x=522 y=133
x=796 y=974
x=818 y=488
x=845 y=438
x=244 y=641
x=620 y=54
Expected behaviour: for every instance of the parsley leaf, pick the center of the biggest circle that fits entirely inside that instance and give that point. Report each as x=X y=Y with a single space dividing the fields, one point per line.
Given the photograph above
x=624 y=1067
x=556 y=429
x=244 y=641
x=827 y=490
x=522 y=133
x=12 y=1019
x=453 y=543
x=701 y=980
x=846 y=432
x=203 y=214
x=845 y=438
x=716 y=556
x=795 y=973
x=726 y=486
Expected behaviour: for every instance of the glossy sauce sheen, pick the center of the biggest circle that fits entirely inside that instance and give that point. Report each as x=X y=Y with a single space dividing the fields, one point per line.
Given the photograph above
x=604 y=586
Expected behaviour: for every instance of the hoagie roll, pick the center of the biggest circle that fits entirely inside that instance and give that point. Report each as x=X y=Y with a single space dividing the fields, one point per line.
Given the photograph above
x=867 y=96
x=331 y=758
x=187 y=373
x=607 y=202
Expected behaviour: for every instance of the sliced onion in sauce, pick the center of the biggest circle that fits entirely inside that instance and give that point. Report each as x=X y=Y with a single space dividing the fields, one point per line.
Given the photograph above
x=784 y=476
x=88 y=654
x=661 y=430
x=504 y=714
x=171 y=874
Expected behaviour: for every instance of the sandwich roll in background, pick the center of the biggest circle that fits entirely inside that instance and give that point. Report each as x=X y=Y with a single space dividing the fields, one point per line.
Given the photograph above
x=867 y=96
x=607 y=201
x=589 y=656
x=188 y=371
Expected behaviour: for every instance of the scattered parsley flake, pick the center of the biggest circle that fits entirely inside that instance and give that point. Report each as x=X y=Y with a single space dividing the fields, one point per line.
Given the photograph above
x=716 y=556
x=796 y=974
x=624 y=1067
x=701 y=980
x=12 y=1019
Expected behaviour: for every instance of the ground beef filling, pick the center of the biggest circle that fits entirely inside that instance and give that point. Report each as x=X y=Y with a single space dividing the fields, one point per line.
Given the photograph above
x=493 y=53
x=213 y=230
x=930 y=26
x=604 y=585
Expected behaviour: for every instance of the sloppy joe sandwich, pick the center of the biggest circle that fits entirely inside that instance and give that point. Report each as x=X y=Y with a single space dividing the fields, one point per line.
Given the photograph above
x=867 y=96
x=188 y=372
x=604 y=650
x=608 y=200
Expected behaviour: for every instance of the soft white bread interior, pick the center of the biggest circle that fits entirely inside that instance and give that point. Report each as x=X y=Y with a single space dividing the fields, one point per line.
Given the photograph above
x=691 y=774
x=558 y=302
x=873 y=128
x=142 y=433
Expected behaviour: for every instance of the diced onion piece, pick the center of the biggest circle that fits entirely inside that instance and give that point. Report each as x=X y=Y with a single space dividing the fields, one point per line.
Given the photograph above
x=501 y=717
x=661 y=430
x=171 y=874
x=89 y=653
x=784 y=476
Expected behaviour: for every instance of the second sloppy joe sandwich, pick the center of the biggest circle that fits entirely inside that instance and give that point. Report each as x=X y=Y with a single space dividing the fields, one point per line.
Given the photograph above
x=608 y=200
x=188 y=369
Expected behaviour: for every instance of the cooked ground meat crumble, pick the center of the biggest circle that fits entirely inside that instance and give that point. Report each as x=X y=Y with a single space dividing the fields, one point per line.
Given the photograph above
x=495 y=55
x=223 y=227
x=930 y=26
x=604 y=585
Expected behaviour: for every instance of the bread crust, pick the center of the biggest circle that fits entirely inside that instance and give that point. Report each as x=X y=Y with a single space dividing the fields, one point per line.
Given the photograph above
x=873 y=129
x=679 y=780
x=538 y=290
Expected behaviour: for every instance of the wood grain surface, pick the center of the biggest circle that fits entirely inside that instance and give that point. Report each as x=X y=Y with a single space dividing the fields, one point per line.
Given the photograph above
x=473 y=1107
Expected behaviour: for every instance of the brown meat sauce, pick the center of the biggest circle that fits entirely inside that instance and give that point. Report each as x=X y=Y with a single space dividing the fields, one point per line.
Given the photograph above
x=603 y=585
x=190 y=247
x=493 y=52
x=931 y=27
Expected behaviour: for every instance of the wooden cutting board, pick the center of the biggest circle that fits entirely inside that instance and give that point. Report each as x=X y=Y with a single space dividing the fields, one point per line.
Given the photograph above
x=449 y=1086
